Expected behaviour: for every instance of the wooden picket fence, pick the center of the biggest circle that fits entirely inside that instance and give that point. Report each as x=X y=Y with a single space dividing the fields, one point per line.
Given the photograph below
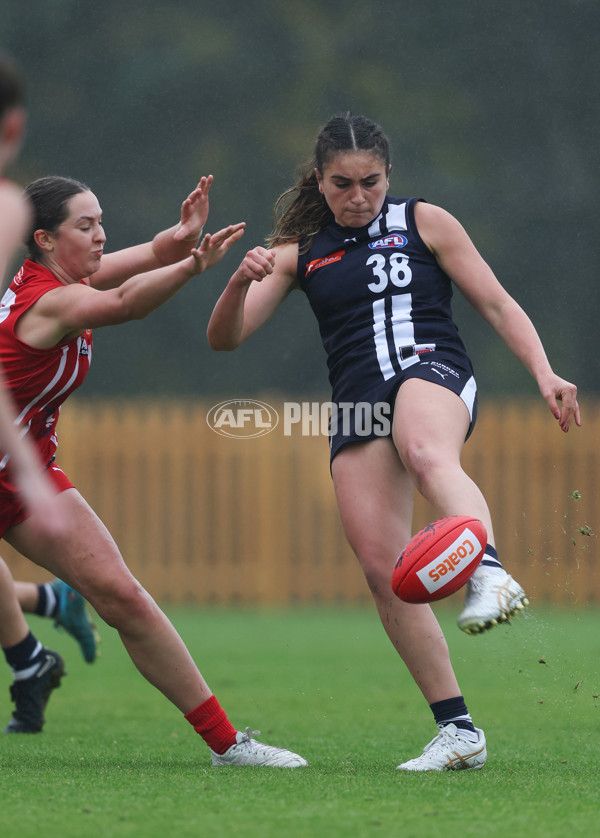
x=202 y=518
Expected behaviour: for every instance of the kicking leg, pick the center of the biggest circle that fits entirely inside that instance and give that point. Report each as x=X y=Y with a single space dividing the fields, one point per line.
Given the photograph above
x=430 y=425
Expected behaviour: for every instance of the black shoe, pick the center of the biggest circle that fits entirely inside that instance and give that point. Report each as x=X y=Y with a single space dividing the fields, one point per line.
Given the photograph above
x=31 y=694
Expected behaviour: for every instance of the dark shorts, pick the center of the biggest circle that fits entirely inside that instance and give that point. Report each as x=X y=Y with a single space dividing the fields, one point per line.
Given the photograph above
x=371 y=418
x=12 y=511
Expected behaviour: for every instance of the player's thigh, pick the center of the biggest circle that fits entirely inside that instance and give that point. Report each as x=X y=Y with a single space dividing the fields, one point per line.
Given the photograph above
x=86 y=556
x=429 y=418
x=375 y=498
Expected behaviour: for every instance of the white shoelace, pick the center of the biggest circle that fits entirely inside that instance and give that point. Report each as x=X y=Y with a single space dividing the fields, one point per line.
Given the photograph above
x=247 y=735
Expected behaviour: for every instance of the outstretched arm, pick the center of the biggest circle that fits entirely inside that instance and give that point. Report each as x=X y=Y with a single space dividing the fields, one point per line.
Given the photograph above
x=64 y=312
x=457 y=256
x=252 y=295
x=166 y=248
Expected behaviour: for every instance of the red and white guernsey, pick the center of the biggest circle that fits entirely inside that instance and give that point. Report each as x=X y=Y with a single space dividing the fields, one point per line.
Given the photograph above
x=38 y=380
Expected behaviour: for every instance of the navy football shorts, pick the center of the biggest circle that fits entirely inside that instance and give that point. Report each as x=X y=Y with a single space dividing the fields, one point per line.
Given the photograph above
x=363 y=420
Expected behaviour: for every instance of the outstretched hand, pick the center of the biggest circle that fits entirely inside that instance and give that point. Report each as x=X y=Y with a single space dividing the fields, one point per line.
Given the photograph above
x=214 y=246
x=561 y=397
x=194 y=212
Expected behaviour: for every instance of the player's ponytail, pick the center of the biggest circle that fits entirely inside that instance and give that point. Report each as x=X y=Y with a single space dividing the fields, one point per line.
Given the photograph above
x=301 y=211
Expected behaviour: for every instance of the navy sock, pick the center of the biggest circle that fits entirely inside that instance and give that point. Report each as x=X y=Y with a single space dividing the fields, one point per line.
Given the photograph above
x=453 y=710
x=490 y=558
x=25 y=657
x=47 y=604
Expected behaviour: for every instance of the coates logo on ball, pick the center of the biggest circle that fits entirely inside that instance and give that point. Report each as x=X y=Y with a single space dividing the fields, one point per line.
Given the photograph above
x=439 y=559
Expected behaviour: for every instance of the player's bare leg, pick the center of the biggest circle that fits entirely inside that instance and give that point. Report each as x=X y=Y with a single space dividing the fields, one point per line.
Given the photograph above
x=430 y=425
x=375 y=499
x=429 y=430
x=13 y=626
x=27 y=594
x=88 y=559
x=67 y=609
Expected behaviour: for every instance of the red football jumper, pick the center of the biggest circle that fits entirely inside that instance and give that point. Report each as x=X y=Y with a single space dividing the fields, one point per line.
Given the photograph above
x=38 y=380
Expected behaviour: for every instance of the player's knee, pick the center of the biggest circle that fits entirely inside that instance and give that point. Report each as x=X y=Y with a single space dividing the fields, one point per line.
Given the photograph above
x=424 y=463
x=377 y=566
x=120 y=601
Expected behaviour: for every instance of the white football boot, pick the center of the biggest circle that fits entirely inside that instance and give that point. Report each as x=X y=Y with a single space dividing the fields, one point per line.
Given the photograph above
x=449 y=752
x=247 y=751
x=492 y=597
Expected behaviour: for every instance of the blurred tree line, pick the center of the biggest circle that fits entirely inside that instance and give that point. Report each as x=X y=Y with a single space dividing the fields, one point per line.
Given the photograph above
x=490 y=107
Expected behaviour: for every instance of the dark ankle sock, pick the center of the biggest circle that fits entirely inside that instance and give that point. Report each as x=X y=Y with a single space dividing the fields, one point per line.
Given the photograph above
x=25 y=657
x=490 y=558
x=211 y=722
x=452 y=711
x=47 y=604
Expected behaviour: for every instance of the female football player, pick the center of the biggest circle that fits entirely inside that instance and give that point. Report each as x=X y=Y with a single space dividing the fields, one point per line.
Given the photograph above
x=66 y=288
x=378 y=273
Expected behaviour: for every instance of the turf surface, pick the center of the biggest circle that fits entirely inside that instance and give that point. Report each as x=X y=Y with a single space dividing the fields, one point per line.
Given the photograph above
x=115 y=759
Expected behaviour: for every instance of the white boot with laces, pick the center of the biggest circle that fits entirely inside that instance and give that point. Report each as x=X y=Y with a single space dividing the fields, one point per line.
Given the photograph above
x=449 y=751
x=492 y=597
x=247 y=751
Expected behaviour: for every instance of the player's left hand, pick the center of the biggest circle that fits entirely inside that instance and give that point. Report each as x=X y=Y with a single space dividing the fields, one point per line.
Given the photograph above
x=561 y=397
x=194 y=212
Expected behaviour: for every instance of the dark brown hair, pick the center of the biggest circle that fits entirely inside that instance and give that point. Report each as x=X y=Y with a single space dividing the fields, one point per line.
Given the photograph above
x=49 y=197
x=301 y=211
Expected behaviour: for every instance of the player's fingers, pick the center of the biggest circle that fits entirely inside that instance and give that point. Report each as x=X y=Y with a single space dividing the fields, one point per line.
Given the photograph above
x=264 y=253
x=574 y=414
x=221 y=236
x=202 y=188
x=234 y=236
x=570 y=409
x=256 y=269
x=553 y=405
x=260 y=263
x=205 y=184
x=224 y=243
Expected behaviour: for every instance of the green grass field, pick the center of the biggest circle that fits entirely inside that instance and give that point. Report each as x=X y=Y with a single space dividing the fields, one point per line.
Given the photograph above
x=116 y=759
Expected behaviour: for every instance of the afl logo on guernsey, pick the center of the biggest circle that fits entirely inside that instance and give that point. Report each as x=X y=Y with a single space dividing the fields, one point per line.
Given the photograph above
x=394 y=240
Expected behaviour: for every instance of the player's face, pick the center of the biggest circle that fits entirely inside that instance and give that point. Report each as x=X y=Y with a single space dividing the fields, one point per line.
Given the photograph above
x=354 y=184
x=79 y=241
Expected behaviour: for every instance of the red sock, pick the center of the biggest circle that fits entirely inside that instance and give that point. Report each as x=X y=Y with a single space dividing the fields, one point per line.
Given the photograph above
x=211 y=722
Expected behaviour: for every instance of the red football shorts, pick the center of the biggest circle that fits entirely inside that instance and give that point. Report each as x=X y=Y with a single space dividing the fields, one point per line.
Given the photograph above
x=12 y=511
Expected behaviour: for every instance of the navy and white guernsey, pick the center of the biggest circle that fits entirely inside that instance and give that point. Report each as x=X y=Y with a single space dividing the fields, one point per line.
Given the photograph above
x=383 y=306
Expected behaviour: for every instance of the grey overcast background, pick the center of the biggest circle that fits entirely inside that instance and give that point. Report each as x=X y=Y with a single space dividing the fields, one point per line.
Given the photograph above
x=491 y=109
